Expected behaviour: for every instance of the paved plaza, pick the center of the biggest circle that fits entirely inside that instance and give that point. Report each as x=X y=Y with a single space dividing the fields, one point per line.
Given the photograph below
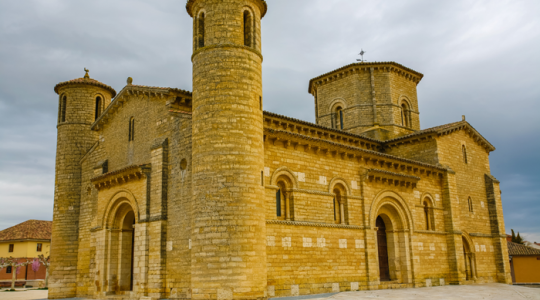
x=493 y=291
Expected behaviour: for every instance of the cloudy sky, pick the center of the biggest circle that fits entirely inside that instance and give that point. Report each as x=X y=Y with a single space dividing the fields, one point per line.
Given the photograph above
x=480 y=59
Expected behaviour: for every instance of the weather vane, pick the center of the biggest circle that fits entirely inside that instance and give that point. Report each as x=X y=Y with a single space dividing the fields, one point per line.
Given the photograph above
x=361 y=54
x=86 y=75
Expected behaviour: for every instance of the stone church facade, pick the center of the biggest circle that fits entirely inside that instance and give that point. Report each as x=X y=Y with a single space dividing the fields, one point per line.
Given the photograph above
x=166 y=193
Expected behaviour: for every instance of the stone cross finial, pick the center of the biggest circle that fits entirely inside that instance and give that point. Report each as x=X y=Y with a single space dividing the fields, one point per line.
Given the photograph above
x=86 y=76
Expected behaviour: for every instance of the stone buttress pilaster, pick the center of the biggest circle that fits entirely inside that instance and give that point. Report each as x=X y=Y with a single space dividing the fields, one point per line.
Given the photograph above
x=454 y=241
x=498 y=232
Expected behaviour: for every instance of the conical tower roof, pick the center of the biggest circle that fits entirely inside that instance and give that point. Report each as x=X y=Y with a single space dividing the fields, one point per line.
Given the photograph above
x=85 y=80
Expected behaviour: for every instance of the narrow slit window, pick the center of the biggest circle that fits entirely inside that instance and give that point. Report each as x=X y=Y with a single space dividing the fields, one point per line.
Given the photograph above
x=335 y=217
x=248 y=28
x=260 y=103
x=131 y=136
x=201 y=30
x=99 y=104
x=464 y=150
x=470 y=205
x=262 y=178
x=63 y=109
x=278 y=203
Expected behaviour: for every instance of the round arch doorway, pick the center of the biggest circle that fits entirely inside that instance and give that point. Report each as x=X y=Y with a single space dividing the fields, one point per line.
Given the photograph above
x=121 y=249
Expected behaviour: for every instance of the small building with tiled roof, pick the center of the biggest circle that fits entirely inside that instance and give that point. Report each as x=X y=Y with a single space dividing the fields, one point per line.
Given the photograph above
x=25 y=241
x=168 y=193
x=525 y=263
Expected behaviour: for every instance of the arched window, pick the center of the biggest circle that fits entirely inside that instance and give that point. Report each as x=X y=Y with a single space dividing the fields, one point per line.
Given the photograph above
x=405 y=120
x=201 y=30
x=469 y=202
x=131 y=129
x=339 y=207
x=428 y=214
x=99 y=104
x=62 y=110
x=464 y=151
x=248 y=29
x=284 y=207
x=339 y=123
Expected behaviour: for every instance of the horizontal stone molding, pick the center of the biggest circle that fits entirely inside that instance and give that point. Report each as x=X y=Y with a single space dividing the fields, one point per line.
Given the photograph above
x=314 y=224
x=477 y=234
x=431 y=232
x=219 y=46
x=312 y=192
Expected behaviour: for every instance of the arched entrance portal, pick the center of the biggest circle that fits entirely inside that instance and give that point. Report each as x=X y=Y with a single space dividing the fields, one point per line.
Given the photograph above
x=390 y=216
x=121 y=249
x=384 y=269
x=468 y=256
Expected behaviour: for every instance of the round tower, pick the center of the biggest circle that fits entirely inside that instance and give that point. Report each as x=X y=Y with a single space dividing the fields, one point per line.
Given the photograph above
x=81 y=101
x=229 y=227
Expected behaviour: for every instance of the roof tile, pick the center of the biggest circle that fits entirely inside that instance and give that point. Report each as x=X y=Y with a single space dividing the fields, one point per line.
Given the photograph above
x=29 y=230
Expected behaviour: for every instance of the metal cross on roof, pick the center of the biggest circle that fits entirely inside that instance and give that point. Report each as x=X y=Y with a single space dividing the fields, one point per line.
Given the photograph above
x=361 y=54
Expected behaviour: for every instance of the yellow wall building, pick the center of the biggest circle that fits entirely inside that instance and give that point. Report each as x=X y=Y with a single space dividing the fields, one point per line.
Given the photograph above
x=26 y=241
x=525 y=264
x=166 y=193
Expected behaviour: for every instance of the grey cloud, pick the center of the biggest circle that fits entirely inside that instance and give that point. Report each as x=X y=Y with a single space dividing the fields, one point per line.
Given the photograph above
x=479 y=59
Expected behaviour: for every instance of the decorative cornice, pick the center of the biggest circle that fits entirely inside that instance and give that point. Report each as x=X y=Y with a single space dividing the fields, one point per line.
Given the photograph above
x=261 y=3
x=121 y=176
x=289 y=139
x=290 y=124
x=363 y=66
x=440 y=131
x=392 y=178
x=171 y=94
x=313 y=224
x=87 y=81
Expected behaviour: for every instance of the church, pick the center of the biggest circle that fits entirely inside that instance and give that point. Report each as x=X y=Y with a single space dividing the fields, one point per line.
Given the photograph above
x=164 y=193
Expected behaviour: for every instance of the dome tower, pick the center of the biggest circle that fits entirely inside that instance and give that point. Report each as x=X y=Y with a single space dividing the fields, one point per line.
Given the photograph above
x=229 y=229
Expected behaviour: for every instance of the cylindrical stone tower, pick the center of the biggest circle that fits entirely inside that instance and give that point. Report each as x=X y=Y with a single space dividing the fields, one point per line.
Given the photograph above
x=81 y=101
x=229 y=227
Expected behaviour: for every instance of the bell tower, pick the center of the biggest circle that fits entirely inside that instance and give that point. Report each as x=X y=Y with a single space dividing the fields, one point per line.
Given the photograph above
x=81 y=102
x=229 y=227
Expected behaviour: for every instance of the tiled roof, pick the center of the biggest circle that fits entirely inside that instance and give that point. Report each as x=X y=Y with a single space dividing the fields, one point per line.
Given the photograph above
x=89 y=81
x=366 y=64
x=29 y=230
x=262 y=4
x=271 y=114
x=441 y=129
x=515 y=249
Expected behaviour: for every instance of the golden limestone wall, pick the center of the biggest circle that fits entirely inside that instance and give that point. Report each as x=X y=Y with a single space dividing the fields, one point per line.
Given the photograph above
x=74 y=139
x=309 y=253
x=228 y=234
